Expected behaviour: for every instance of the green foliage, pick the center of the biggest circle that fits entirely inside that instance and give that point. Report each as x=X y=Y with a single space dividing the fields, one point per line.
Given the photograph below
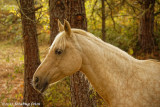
x=7 y=59
x=19 y=68
x=59 y=94
x=122 y=22
x=10 y=25
x=2 y=96
x=42 y=18
x=17 y=39
x=157 y=39
x=10 y=18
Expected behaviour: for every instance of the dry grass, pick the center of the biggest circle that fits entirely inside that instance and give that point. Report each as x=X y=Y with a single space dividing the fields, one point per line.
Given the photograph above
x=11 y=72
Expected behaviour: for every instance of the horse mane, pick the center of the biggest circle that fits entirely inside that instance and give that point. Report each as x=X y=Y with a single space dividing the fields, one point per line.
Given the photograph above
x=87 y=34
x=113 y=49
x=59 y=42
x=60 y=39
x=154 y=61
x=94 y=38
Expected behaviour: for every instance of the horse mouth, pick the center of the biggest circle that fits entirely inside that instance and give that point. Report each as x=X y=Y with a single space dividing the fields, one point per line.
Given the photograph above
x=44 y=88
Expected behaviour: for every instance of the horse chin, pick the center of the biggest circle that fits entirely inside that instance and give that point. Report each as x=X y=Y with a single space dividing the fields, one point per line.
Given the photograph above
x=44 y=88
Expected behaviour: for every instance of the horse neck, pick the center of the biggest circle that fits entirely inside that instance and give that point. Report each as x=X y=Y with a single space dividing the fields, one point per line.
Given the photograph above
x=105 y=66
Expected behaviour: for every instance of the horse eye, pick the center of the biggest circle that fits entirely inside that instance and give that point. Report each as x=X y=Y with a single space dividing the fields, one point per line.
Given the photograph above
x=58 y=51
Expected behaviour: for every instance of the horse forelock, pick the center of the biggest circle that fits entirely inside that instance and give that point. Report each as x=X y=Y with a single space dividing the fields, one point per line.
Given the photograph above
x=59 y=42
x=60 y=39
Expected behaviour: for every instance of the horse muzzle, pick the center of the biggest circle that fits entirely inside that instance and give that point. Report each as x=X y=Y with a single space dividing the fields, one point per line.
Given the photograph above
x=39 y=85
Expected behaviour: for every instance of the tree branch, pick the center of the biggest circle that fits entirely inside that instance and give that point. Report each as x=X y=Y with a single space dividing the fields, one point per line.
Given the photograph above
x=18 y=3
x=110 y=8
x=37 y=8
x=93 y=9
x=157 y=2
x=157 y=13
x=132 y=6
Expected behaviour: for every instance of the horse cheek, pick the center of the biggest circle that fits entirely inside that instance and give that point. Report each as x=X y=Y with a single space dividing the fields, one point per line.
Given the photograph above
x=76 y=62
x=72 y=64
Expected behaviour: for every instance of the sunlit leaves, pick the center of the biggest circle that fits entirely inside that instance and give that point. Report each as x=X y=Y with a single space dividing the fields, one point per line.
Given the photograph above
x=42 y=16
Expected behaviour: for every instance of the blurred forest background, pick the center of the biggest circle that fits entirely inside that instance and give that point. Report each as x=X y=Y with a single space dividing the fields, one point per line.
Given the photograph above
x=118 y=22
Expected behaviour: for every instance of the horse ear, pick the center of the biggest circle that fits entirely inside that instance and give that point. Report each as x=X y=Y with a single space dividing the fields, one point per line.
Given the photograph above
x=60 y=26
x=67 y=27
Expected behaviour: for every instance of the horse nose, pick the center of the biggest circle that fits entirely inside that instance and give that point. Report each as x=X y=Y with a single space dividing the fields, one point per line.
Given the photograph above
x=36 y=79
x=36 y=82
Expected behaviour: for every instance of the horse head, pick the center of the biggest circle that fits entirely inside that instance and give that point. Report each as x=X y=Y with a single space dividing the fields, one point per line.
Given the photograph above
x=63 y=59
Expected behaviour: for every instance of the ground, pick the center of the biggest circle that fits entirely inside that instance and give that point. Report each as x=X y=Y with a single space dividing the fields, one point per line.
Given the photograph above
x=11 y=72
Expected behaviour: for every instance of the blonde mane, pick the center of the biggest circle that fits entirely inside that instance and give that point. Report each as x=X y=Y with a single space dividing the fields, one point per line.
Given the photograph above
x=112 y=49
x=59 y=42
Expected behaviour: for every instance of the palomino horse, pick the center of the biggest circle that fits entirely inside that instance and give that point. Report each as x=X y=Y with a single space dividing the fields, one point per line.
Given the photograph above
x=120 y=79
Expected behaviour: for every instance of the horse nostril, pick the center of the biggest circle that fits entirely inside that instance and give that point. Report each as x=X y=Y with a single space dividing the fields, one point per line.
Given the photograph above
x=36 y=79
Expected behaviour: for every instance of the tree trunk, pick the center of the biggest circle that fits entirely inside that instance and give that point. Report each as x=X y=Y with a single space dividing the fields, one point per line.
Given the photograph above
x=103 y=21
x=31 y=52
x=79 y=85
x=146 y=36
x=74 y=12
x=57 y=11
